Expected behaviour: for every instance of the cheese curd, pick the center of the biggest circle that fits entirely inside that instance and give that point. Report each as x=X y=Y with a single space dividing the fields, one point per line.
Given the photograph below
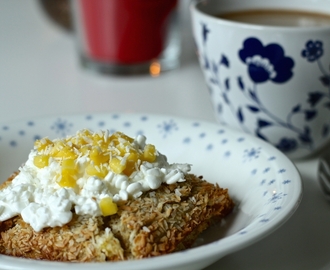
x=88 y=173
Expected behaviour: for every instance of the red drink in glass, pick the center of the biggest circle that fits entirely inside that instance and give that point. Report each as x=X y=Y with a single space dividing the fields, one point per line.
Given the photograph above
x=124 y=31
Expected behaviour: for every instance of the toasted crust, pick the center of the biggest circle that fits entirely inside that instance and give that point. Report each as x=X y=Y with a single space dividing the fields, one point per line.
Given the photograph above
x=159 y=222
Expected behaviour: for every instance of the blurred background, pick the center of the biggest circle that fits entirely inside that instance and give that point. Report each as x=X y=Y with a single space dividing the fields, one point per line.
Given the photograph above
x=59 y=11
x=39 y=59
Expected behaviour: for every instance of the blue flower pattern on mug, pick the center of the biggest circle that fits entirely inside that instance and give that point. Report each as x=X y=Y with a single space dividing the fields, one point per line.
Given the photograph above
x=267 y=64
x=313 y=51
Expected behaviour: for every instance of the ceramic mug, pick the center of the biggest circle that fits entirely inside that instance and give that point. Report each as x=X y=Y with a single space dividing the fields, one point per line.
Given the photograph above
x=270 y=81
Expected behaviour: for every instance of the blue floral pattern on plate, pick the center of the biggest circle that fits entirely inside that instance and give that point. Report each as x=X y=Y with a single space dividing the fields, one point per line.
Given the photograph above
x=263 y=182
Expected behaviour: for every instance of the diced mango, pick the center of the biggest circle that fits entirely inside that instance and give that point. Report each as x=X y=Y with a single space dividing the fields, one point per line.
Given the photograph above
x=68 y=164
x=130 y=168
x=97 y=156
x=66 y=152
x=133 y=155
x=67 y=180
x=108 y=207
x=149 y=153
x=95 y=170
x=83 y=137
x=116 y=165
x=97 y=138
x=41 y=161
x=42 y=144
x=119 y=135
x=122 y=148
x=85 y=149
x=132 y=158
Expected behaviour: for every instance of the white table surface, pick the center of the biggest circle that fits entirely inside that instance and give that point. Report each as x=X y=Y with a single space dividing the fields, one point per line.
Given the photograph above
x=40 y=75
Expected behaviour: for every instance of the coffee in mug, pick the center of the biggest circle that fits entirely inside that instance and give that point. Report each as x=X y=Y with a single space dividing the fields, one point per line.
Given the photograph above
x=278 y=17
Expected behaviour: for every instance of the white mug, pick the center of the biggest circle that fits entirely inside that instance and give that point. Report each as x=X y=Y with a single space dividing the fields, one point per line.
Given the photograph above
x=270 y=81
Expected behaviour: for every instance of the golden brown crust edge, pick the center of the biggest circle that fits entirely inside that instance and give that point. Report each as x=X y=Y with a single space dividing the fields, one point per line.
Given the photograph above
x=159 y=222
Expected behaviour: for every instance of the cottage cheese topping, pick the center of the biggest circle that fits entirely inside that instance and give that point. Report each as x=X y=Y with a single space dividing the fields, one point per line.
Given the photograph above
x=89 y=173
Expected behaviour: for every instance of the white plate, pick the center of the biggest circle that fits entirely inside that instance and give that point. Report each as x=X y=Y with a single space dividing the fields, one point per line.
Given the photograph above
x=264 y=183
